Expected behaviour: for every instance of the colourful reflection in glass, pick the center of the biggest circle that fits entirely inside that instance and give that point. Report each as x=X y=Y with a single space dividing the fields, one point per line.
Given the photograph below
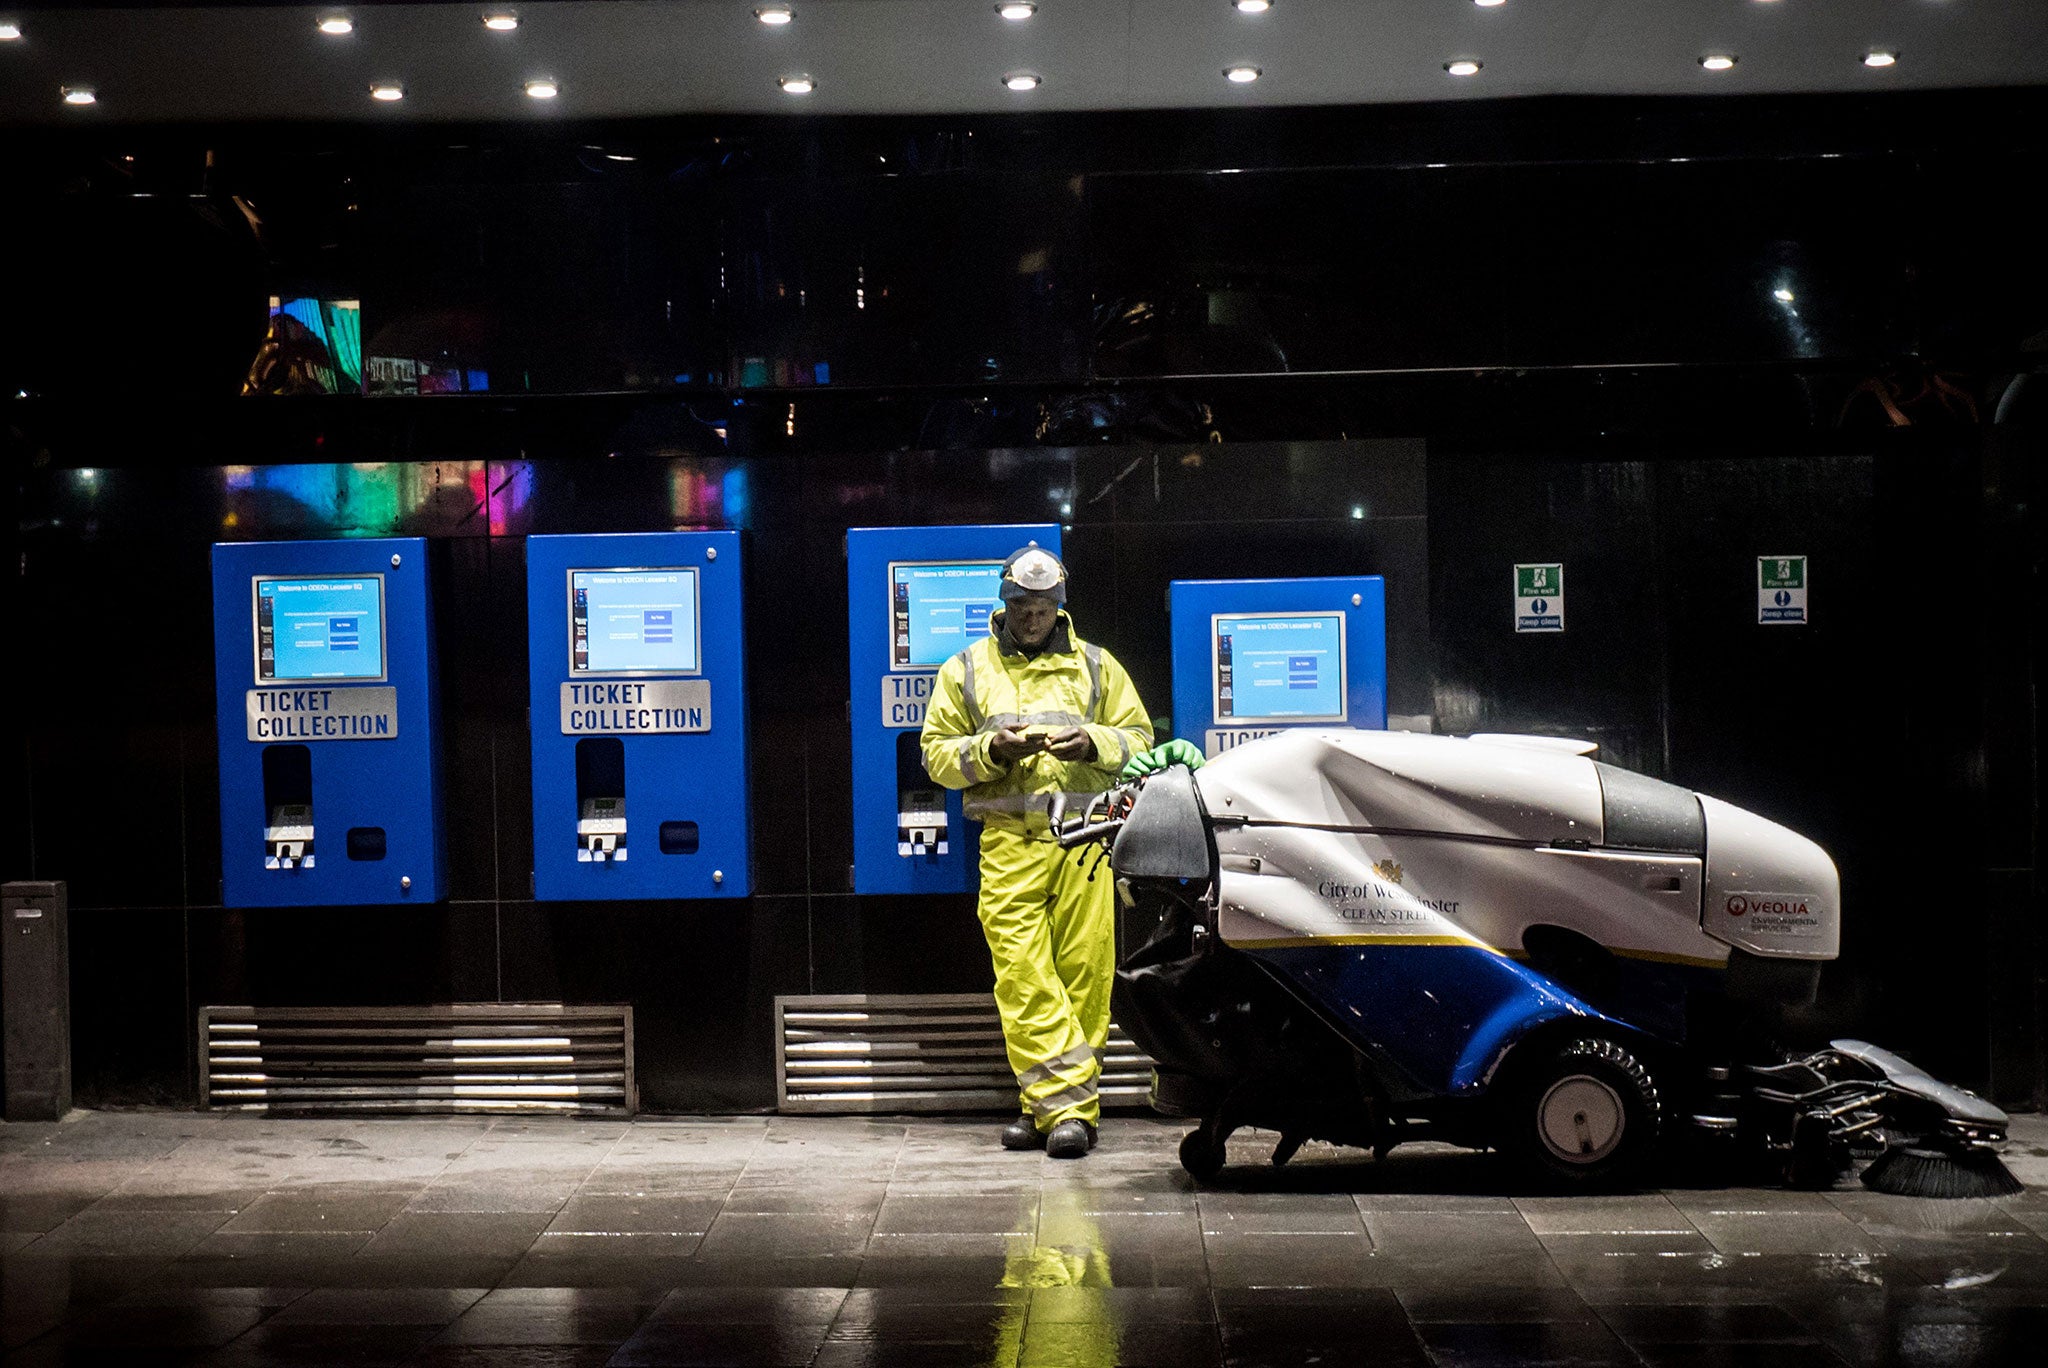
x=314 y=346
x=694 y=501
x=511 y=490
x=370 y=499
x=735 y=496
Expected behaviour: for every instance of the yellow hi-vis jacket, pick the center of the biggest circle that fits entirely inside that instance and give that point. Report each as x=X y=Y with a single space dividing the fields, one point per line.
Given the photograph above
x=981 y=690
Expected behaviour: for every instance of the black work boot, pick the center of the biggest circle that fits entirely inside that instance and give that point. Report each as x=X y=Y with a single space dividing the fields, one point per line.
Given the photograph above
x=1023 y=1134
x=1070 y=1139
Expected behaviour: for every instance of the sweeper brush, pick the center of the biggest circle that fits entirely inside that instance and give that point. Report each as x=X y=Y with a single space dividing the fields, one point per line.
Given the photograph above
x=1909 y=1171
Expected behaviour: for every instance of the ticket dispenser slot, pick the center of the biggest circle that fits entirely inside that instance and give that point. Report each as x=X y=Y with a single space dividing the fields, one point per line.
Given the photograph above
x=327 y=722
x=920 y=804
x=287 y=807
x=1255 y=657
x=638 y=698
x=916 y=597
x=600 y=799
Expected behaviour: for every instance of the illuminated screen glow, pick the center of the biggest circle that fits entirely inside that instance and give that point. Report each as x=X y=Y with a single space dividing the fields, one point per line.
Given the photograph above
x=634 y=621
x=939 y=608
x=319 y=628
x=1278 y=667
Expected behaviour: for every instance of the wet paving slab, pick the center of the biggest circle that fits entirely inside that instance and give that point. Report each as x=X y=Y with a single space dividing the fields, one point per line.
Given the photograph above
x=207 y=1240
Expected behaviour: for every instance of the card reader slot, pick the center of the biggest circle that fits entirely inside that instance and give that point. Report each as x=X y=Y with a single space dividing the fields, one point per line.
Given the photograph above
x=288 y=807
x=920 y=803
x=600 y=799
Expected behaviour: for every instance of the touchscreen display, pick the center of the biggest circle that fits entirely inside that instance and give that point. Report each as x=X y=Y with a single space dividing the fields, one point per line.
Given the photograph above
x=633 y=621
x=939 y=608
x=320 y=628
x=1279 y=667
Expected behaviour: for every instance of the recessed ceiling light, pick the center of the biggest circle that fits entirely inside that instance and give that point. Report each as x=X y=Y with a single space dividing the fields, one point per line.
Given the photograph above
x=796 y=85
x=1021 y=80
x=1718 y=61
x=775 y=15
x=79 y=95
x=387 y=91
x=1463 y=66
x=334 y=25
x=1252 y=6
x=1489 y=4
x=1880 y=59
x=1016 y=11
x=500 y=21
x=9 y=31
x=1783 y=295
x=542 y=88
x=1242 y=75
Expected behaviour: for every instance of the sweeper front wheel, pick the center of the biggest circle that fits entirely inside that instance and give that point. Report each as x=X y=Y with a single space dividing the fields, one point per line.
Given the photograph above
x=1581 y=1115
x=1201 y=1153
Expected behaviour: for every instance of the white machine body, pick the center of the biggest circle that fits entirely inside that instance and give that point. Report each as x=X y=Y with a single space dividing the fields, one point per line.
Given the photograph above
x=1362 y=837
x=1769 y=890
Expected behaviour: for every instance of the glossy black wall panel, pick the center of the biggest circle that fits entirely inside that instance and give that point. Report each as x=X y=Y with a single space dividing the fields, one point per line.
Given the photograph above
x=1357 y=269
x=678 y=258
x=902 y=278
x=702 y=977
x=1602 y=678
x=1259 y=510
x=133 y=292
x=994 y=314
x=132 y=1011
x=1835 y=728
x=1857 y=730
x=543 y=284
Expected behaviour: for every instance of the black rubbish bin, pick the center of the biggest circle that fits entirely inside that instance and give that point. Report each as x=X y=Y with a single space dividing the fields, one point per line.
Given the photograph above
x=35 y=1001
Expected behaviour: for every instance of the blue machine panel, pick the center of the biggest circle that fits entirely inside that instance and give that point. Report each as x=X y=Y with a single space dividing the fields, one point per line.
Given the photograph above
x=328 y=721
x=1252 y=657
x=916 y=596
x=639 y=716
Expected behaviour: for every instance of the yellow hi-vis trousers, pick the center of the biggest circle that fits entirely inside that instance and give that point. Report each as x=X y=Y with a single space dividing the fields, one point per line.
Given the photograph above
x=1052 y=935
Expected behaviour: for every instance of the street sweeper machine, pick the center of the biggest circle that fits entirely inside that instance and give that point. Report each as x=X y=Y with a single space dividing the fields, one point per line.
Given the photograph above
x=1372 y=937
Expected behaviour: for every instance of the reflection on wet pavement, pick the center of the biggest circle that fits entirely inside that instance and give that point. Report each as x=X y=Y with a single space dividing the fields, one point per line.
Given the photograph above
x=203 y=1240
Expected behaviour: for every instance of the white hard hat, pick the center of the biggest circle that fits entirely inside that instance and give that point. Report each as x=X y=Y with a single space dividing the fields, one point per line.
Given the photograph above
x=1034 y=571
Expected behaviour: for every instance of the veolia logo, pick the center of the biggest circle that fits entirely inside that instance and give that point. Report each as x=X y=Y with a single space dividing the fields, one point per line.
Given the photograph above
x=1769 y=905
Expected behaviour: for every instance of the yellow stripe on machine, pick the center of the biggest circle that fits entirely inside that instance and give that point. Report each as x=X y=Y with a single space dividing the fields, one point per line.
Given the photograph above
x=1298 y=942
x=1291 y=942
x=1663 y=957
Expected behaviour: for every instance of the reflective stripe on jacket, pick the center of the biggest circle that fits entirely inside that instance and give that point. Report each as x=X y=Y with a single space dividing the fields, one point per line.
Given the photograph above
x=982 y=690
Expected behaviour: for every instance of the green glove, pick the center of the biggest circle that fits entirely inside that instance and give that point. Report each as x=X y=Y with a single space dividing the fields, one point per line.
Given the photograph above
x=1174 y=752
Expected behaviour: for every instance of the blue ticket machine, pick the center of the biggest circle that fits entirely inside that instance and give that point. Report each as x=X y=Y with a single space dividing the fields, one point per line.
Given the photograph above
x=1253 y=657
x=639 y=716
x=325 y=690
x=916 y=596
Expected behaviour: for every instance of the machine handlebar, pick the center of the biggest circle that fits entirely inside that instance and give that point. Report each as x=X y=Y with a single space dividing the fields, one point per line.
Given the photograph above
x=1099 y=821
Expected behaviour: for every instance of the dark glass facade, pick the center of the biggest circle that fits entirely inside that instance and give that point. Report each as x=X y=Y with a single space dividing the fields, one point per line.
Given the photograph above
x=1424 y=343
